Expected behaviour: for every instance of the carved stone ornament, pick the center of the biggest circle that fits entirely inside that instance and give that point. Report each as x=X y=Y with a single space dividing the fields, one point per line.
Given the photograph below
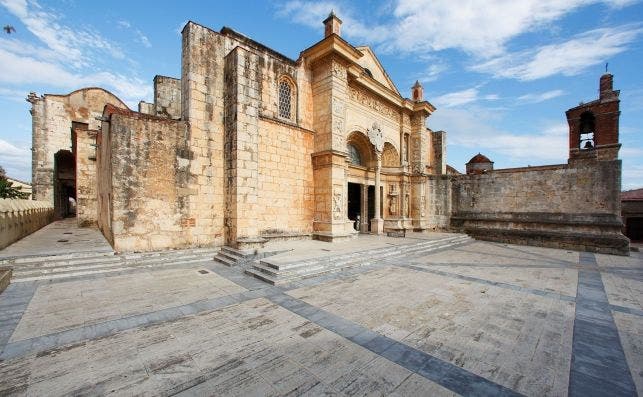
x=337 y=204
x=376 y=137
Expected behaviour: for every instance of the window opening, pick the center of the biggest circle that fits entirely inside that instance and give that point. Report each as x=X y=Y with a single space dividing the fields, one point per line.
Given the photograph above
x=354 y=155
x=285 y=100
x=587 y=123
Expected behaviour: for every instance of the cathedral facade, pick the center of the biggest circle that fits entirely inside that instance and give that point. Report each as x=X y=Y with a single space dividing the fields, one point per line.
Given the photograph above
x=249 y=145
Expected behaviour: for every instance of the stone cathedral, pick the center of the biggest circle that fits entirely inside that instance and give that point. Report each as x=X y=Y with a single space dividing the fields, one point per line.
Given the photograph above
x=249 y=145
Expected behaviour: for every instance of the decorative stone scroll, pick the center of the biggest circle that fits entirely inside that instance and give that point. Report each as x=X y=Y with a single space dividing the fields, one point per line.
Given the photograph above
x=376 y=137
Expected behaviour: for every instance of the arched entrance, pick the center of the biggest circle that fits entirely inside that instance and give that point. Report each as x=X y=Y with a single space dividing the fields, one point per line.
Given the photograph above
x=64 y=184
x=361 y=190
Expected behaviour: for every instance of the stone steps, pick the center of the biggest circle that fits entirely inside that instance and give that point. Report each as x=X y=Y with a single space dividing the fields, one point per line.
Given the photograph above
x=64 y=268
x=274 y=272
x=233 y=257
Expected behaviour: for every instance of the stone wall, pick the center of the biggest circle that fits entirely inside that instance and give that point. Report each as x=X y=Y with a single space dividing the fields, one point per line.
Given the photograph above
x=147 y=165
x=86 y=200
x=167 y=97
x=52 y=124
x=202 y=97
x=285 y=188
x=438 y=202
x=19 y=218
x=568 y=206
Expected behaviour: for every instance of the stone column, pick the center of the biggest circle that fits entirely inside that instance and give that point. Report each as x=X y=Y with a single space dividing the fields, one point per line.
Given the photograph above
x=364 y=210
x=377 y=140
x=377 y=223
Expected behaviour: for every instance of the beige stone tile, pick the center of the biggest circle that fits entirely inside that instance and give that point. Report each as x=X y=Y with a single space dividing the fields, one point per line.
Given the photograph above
x=630 y=330
x=635 y=260
x=560 y=281
x=503 y=254
x=461 y=322
x=110 y=298
x=623 y=291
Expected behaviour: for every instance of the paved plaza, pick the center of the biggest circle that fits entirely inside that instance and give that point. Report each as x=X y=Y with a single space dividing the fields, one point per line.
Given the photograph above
x=478 y=318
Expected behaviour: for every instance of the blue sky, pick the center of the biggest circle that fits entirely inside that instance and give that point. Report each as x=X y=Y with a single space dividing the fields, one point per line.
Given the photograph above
x=500 y=72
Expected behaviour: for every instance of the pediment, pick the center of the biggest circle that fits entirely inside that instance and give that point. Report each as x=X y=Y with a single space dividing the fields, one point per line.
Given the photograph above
x=369 y=61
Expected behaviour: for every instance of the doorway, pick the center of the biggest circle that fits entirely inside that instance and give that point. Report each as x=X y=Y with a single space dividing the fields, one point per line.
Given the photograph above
x=64 y=184
x=634 y=229
x=354 y=207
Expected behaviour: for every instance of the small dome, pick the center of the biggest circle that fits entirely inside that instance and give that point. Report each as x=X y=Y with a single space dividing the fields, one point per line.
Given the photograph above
x=479 y=158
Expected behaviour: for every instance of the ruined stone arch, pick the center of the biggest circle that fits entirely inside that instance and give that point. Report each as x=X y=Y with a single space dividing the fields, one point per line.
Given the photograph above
x=287 y=98
x=359 y=143
x=390 y=156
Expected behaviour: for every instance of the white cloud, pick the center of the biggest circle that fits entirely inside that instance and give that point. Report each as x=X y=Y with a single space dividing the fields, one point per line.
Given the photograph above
x=312 y=13
x=432 y=71
x=540 y=97
x=632 y=176
x=71 y=44
x=65 y=57
x=474 y=129
x=12 y=94
x=140 y=36
x=463 y=97
x=568 y=58
x=15 y=160
x=456 y=98
x=417 y=26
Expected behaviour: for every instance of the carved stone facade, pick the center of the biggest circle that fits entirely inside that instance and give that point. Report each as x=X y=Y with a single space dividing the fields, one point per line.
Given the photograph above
x=249 y=145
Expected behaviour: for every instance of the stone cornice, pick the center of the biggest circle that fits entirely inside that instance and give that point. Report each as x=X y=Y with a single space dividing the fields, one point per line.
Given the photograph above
x=332 y=44
x=385 y=93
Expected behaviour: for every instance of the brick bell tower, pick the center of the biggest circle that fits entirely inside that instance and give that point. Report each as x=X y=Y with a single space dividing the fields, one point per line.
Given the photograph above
x=593 y=126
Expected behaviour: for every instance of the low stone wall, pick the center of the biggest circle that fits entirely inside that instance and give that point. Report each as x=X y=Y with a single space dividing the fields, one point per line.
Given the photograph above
x=19 y=218
x=570 y=206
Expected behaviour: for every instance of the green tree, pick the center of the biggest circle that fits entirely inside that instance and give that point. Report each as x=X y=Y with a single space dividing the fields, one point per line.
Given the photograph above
x=7 y=190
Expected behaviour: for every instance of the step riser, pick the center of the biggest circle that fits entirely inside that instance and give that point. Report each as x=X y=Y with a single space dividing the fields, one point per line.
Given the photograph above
x=77 y=258
x=116 y=262
x=283 y=273
x=96 y=272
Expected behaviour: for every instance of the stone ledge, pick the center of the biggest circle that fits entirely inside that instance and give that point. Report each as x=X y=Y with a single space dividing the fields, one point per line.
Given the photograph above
x=287 y=236
x=5 y=277
x=333 y=237
x=250 y=243
x=584 y=219
x=601 y=243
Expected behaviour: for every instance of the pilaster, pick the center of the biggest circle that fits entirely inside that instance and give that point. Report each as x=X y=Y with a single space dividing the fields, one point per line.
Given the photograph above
x=330 y=90
x=242 y=102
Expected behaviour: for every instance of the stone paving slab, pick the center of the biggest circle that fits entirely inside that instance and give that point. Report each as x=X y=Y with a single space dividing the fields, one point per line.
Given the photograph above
x=557 y=280
x=630 y=329
x=505 y=254
x=61 y=306
x=624 y=289
x=254 y=348
x=521 y=342
x=60 y=237
x=480 y=319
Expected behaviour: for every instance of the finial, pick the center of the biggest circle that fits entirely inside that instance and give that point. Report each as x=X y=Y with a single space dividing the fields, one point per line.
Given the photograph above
x=606 y=63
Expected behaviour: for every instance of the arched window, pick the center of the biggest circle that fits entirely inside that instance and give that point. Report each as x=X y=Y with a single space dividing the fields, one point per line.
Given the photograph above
x=286 y=99
x=354 y=155
x=390 y=158
x=587 y=125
